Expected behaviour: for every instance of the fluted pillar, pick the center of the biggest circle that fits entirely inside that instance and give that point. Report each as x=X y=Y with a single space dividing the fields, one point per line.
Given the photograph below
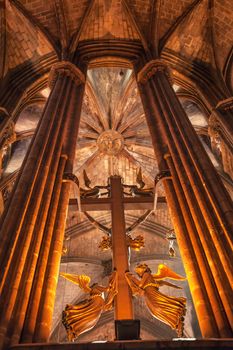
x=201 y=252
x=33 y=203
x=203 y=308
x=45 y=312
x=209 y=207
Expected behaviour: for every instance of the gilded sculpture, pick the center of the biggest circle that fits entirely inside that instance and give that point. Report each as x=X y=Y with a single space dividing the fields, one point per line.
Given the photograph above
x=169 y=310
x=134 y=243
x=83 y=316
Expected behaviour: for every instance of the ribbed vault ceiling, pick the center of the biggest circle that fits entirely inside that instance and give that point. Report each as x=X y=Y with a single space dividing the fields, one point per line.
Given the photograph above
x=112 y=102
x=199 y=31
x=33 y=35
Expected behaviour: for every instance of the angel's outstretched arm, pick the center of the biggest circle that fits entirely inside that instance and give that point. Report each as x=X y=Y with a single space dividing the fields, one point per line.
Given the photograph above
x=134 y=284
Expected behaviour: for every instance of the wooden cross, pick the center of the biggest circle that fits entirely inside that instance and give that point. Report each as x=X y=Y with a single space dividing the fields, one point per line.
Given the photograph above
x=117 y=204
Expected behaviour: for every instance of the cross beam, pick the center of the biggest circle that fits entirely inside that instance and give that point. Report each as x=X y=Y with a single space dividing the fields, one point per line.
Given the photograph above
x=130 y=203
x=125 y=325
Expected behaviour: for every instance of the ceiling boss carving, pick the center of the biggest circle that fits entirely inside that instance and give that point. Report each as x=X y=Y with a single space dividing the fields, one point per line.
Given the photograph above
x=110 y=142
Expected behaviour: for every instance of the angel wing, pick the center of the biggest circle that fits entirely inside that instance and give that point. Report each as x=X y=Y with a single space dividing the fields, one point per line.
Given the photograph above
x=165 y=272
x=87 y=181
x=133 y=284
x=112 y=291
x=139 y=178
x=82 y=281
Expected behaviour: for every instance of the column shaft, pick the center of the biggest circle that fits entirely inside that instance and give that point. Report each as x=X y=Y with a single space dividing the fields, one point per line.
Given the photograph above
x=47 y=228
x=23 y=232
x=48 y=293
x=23 y=192
x=40 y=179
x=47 y=298
x=212 y=291
x=220 y=265
x=174 y=142
x=217 y=195
x=155 y=112
x=34 y=302
x=193 y=271
x=217 y=249
x=31 y=262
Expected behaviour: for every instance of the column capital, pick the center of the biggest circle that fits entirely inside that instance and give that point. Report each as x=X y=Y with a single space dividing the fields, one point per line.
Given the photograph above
x=151 y=68
x=163 y=174
x=225 y=105
x=213 y=123
x=7 y=132
x=67 y=68
x=217 y=130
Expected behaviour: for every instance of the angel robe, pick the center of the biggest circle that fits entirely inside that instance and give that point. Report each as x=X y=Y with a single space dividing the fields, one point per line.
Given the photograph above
x=79 y=318
x=82 y=317
x=170 y=310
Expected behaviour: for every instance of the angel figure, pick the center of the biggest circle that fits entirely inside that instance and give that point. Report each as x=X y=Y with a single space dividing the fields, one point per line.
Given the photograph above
x=169 y=310
x=82 y=317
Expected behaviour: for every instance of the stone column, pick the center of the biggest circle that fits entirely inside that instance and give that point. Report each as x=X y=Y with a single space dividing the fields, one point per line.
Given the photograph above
x=56 y=229
x=202 y=304
x=207 y=199
x=201 y=252
x=32 y=200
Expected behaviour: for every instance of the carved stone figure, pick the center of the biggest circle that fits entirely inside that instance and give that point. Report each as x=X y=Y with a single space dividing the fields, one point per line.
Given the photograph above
x=110 y=142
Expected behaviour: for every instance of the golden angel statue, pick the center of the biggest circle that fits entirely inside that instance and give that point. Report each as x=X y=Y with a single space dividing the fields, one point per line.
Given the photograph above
x=169 y=310
x=82 y=317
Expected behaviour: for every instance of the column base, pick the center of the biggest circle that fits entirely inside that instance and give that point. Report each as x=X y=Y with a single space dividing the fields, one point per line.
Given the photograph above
x=127 y=329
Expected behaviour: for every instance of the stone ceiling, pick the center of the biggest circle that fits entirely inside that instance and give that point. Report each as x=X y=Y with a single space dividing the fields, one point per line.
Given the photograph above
x=197 y=30
x=111 y=110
